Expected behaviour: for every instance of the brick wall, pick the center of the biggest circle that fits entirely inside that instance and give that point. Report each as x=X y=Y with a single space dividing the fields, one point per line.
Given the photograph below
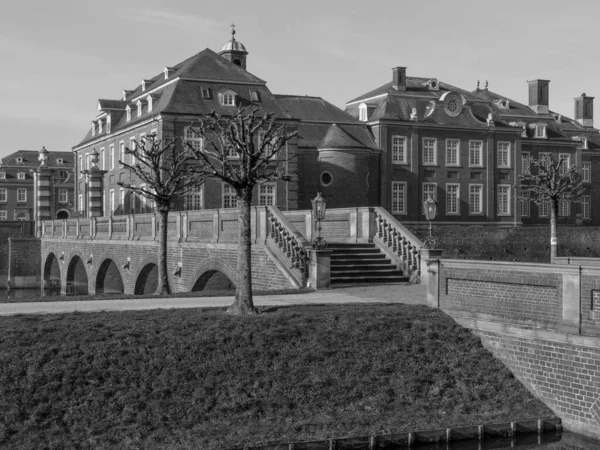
x=511 y=292
x=562 y=370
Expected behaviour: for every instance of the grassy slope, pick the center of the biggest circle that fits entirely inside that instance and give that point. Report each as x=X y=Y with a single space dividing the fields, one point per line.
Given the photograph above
x=200 y=379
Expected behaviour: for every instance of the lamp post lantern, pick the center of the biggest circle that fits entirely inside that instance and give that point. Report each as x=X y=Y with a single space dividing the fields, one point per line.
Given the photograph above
x=430 y=209
x=319 y=205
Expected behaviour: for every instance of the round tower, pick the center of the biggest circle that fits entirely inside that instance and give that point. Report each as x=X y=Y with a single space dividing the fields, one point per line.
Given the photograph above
x=234 y=51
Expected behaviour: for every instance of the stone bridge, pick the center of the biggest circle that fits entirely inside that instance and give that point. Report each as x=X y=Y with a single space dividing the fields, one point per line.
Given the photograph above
x=119 y=253
x=541 y=320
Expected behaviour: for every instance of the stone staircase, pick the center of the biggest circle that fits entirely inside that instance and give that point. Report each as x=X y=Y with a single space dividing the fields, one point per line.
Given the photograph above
x=362 y=264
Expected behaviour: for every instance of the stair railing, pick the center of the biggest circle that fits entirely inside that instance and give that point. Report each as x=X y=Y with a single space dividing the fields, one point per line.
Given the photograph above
x=289 y=243
x=398 y=243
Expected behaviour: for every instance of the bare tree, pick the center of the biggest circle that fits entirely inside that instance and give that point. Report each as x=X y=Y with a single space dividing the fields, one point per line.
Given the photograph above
x=243 y=151
x=163 y=167
x=552 y=183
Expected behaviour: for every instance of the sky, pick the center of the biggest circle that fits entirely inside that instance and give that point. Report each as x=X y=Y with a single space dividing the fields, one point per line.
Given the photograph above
x=58 y=58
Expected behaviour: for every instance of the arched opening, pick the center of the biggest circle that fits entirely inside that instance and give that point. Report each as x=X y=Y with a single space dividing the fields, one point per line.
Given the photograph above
x=52 y=273
x=213 y=280
x=237 y=62
x=62 y=214
x=108 y=280
x=147 y=281
x=77 y=280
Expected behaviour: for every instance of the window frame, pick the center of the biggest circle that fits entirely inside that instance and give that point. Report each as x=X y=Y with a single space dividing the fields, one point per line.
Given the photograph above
x=433 y=150
x=501 y=212
x=586 y=207
x=525 y=204
x=456 y=163
x=193 y=139
x=21 y=176
x=450 y=196
x=21 y=195
x=197 y=193
x=566 y=205
x=525 y=156
x=121 y=153
x=562 y=168
x=228 y=192
x=103 y=157
x=479 y=212
x=80 y=159
x=225 y=99
x=113 y=206
x=586 y=172
x=3 y=193
x=3 y=215
x=2 y=175
x=544 y=210
x=267 y=195
x=399 y=150
x=401 y=201
x=63 y=198
x=425 y=192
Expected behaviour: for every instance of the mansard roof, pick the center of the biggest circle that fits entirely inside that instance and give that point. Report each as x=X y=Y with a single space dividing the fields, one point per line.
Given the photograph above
x=313 y=108
x=30 y=159
x=347 y=137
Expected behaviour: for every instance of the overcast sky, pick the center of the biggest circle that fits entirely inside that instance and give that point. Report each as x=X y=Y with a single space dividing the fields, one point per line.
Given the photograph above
x=58 y=57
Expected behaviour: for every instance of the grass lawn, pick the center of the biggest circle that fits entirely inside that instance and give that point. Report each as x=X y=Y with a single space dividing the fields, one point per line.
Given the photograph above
x=191 y=379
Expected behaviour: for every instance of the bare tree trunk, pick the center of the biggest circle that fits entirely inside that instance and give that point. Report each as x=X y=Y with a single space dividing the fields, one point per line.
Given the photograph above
x=553 y=239
x=243 y=303
x=163 y=274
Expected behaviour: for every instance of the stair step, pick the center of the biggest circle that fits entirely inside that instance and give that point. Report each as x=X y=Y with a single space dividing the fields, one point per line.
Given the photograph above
x=388 y=271
x=338 y=256
x=368 y=264
x=368 y=279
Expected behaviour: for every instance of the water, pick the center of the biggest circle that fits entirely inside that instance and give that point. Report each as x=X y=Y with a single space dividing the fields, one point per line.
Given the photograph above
x=15 y=295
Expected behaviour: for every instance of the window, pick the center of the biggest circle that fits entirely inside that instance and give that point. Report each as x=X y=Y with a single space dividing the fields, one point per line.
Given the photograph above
x=545 y=160
x=586 y=174
x=2 y=175
x=399 y=150
x=3 y=197
x=121 y=153
x=87 y=161
x=103 y=158
x=143 y=199
x=503 y=154
x=452 y=152
x=149 y=100
x=563 y=208
x=268 y=150
x=139 y=108
x=525 y=205
x=63 y=174
x=398 y=197
x=112 y=157
x=565 y=163
x=429 y=151
x=122 y=200
x=254 y=95
x=63 y=196
x=60 y=161
x=112 y=202
x=504 y=200
x=80 y=166
x=229 y=196
x=21 y=195
x=132 y=146
x=206 y=93
x=93 y=128
x=100 y=126
x=3 y=215
x=21 y=176
x=544 y=209
x=525 y=162
x=475 y=153
x=475 y=199
x=540 y=131
x=429 y=189
x=228 y=99
x=128 y=113
x=362 y=112
x=266 y=194
x=19 y=159
x=452 y=199
x=195 y=199
x=193 y=139
x=81 y=202
x=586 y=201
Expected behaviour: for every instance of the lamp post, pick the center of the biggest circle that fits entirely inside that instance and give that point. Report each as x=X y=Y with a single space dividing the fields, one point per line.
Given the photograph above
x=430 y=209
x=319 y=206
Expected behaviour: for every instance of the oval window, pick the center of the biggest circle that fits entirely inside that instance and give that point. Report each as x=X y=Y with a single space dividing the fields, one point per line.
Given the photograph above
x=326 y=178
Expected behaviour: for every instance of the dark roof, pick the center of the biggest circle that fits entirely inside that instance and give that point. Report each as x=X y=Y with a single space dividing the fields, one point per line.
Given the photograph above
x=347 y=137
x=104 y=104
x=312 y=108
x=30 y=159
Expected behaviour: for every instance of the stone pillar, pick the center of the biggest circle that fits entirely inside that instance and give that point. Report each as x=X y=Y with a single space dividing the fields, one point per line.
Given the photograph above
x=319 y=270
x=43 y=200
x=427 y=254
x=571 y=299
x=430 y=275
x=95 y=181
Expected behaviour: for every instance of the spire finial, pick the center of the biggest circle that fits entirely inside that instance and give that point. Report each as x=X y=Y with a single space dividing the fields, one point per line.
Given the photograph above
x=486 y=84
x=233 y=30
x=477 y=84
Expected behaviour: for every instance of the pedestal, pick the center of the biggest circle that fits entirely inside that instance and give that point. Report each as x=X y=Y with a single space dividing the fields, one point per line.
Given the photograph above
x=319 y=271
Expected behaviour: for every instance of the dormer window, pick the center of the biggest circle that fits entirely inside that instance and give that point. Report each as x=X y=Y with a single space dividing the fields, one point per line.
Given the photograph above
x=206 y=93
x=108 y=123
x=503 y=103
x=433 y=84
x=128 y=110
x=557 y=118
x=149 y=100
x=60 y=161
x=2 y=175
x=126 y=94
x=584 y=143
x=99 y=126
x=139 y=108
x=254 y=95
x=228 y=99
x=93 y=128
x=21 y=176
x=145 y=84
x=540 y=131
x=168 y=71
x=19 y=160
x=362 y=112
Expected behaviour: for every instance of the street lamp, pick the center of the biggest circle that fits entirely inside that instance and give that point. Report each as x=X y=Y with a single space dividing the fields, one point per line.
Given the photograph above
x=319 y=206
x=430 y=209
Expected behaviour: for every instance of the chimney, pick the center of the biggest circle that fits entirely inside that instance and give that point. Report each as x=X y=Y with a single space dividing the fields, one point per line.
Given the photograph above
x=399 y=78
x=539 y=93
x=584 y=110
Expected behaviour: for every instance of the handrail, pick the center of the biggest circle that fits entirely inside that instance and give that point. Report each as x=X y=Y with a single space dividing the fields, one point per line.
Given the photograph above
x=290 y=241
x=398 y=242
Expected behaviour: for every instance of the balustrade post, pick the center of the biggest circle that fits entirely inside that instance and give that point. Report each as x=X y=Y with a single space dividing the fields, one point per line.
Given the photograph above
x=353 y=218
x=216 y=230
x=184 y=225
x=308 y=225
x=319 y=271
x=64 y=229
x=110 y=223
x=77 y=230
x=178 y=226
x=428 y=257
x=263 y=230
x=128 y=227
x=153 y=220
x=93 y=228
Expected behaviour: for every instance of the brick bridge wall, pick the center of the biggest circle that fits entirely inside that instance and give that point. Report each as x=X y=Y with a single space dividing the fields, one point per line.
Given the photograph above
x=12 y=229
x=541 y=320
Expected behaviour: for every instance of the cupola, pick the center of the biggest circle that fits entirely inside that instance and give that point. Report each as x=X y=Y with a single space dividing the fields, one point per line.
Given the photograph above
x=234 y=51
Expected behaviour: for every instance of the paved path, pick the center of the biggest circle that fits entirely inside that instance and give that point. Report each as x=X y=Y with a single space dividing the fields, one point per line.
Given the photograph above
x=411 y=294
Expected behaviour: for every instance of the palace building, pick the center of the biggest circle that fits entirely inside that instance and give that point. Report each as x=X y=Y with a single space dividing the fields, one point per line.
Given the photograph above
x=391 y=147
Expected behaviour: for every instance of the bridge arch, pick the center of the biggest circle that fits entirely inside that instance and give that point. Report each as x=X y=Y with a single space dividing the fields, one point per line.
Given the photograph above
x=109 y=277
x=213 y=273
x=63 y=214
x=77 y=277
x=52 y=273
x=146 y=276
